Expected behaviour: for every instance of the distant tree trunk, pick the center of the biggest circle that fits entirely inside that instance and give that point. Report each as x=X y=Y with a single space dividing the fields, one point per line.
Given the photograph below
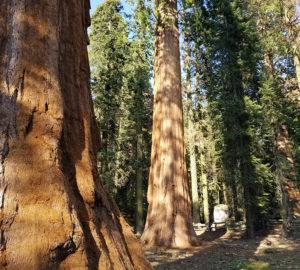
x=203 y=178
x=290 y=18
x=285 y=172
x=235 y=199
x=194 y=178
x=284 y=175
x=297 y=66
x=213 y=162
x=54 y=213
x=139 y=185
x=169 y=219
x=283 y=147
x=191 y=137
x=104 y=146
x=118 y=153
x=225 y=193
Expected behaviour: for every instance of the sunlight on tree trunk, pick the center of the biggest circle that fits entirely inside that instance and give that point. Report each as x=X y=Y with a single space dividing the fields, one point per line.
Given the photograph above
x=169 y=220
x=139 y=185
x=194 y=178
x=297 y=67
x=54 y=213
x=283 y=147
x=204 y=183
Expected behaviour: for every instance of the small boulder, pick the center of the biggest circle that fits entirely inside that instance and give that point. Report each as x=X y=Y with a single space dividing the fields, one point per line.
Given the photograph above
x=221 y=213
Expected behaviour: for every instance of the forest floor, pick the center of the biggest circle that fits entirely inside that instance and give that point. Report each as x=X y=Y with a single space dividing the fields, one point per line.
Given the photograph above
x=229 y=250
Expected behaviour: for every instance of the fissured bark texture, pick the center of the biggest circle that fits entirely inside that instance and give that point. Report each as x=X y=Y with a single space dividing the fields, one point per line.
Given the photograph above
x=289 y=185
x=54 y=213
x=169 y=221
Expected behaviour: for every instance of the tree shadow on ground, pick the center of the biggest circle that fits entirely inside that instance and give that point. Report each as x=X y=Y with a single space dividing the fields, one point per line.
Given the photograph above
x=231 y=251
x=212 y=235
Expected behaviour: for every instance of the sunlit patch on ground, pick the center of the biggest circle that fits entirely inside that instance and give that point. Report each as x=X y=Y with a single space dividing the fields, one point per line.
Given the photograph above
x=230 y=251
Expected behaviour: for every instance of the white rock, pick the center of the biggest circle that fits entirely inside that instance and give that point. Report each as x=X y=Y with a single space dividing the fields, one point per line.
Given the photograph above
x=221 y=213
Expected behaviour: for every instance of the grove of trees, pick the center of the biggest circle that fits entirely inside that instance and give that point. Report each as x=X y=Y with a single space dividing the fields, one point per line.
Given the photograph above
x=173 y=108
x=239 y=65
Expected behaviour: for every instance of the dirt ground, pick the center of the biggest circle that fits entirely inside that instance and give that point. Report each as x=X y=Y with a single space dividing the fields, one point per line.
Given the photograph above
x=229 y=250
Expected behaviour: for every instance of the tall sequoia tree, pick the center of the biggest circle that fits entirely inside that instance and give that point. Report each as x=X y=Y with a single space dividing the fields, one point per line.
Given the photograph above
x=169 y=220
x=54 y=213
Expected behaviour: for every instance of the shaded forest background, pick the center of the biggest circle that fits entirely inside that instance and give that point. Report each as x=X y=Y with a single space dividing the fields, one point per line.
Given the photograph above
x=241 y=79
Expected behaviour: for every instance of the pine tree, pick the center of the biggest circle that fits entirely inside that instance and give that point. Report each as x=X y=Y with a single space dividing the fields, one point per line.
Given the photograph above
x=276 y=62
x=231 y=72
x=190 y=126
x=121 y=70
x=140 y=69
x=108 y=52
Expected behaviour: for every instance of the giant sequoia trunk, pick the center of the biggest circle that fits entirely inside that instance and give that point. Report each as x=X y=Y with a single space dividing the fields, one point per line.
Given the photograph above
x=169 y=221
x=54 y=213
x=283 y=147
x=284 y=162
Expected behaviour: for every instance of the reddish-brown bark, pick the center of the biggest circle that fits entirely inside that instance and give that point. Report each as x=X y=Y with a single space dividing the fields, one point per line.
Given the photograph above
x=284 y=147
x=169 y=221
x=54 y=212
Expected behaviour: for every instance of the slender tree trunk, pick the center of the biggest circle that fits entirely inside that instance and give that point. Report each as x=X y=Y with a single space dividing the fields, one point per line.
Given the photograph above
x=118 y=153
x=194 y=178
x=54 y=213
x=204 y=183
x=297 y=66
x=235 y=199
x=213 y=162
x=139 y=186
x=225 y=193
x=104 y=146
x=169 y=219
x=248 y=203
x=191 y=137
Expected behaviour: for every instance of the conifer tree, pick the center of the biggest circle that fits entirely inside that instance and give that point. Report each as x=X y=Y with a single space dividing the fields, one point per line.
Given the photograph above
x=121 y=70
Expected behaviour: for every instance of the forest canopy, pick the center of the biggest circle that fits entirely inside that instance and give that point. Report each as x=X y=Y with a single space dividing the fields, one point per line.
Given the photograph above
x=240 y=81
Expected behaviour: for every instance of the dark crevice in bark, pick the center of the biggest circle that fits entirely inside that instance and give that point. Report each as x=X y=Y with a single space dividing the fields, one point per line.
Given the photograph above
x=12 y=44
x=29 y=126
x=2 y=193
x=115 y=215
x=21 y=83
x=2 y=241
x=68 y=167
x=61 y=252
x=8 y=106
x=122 y=235
x=7 y=82
x=8 y=129
x=5 y=149
x=8 y=222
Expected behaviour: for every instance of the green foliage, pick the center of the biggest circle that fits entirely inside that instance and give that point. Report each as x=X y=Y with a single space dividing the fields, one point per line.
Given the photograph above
x=241 y=62
x=238 y=73
x=121 y=58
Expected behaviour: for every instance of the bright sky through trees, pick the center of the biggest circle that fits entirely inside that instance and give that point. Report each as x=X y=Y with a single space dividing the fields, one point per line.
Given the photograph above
x=95 y=3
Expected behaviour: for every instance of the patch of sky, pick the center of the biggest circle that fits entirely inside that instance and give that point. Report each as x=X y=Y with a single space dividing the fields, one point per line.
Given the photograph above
x=127 y=7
